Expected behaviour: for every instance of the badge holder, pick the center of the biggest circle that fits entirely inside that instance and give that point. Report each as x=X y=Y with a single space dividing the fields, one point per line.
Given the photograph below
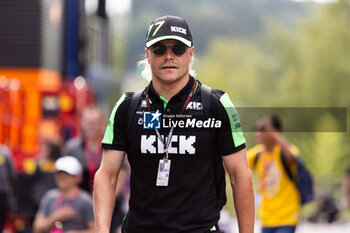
x=163 y=172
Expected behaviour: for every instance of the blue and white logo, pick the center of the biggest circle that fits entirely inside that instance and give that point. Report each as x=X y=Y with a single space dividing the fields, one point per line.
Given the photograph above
x=151 y=120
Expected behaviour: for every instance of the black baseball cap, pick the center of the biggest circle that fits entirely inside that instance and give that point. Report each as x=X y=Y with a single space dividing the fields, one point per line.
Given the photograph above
x=168 y=27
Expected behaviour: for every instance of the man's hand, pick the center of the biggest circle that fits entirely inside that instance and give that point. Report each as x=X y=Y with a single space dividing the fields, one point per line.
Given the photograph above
x=63 y=214
x=44 y=224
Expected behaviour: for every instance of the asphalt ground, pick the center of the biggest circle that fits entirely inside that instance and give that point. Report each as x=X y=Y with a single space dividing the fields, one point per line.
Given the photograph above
x=305 y=227
x=337 y=227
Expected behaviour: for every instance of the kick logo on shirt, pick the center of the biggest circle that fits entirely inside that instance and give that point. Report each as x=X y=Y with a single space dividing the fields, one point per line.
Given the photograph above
x=179 y=144
x=151 y=120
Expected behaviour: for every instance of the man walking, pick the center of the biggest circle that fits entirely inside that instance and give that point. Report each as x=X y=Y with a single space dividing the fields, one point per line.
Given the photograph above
x=175 y=150
x=87 y=149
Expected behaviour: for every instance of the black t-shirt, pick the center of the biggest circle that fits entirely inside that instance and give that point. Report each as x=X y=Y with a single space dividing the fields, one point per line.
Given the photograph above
x=189 y=203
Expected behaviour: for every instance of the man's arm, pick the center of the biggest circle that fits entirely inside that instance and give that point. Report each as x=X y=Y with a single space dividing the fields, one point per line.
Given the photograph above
x=285 y=146
x=122 y=181
x=345 y=188
x=104 y=188
x=45 y=223
x=282 y=141
x=242 y=187
x=90 y=228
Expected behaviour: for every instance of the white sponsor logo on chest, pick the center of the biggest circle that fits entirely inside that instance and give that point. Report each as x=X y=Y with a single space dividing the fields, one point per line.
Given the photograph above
x=194 y=106
x=180 y=144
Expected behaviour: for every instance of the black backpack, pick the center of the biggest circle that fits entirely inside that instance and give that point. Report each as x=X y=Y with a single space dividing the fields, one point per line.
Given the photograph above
x=303 y=179
x=206 y=97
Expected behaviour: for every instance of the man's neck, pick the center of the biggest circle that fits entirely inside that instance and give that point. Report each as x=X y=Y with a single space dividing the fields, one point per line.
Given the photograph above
x=168 y=90
x=93 y=143
x=70 y=192
x=269 y=147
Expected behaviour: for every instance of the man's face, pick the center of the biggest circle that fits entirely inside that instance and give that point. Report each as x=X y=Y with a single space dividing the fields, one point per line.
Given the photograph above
x=93 y=124
x=66 y=181
x=169 y=68
x=263 y=131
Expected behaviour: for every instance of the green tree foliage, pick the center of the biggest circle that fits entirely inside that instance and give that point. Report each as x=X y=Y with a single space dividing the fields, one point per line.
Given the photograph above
x=317 y=74
x=240 y=68
x=326 y=154
x=209 y=19
x=303 y=67
x=318 y=67
x=327 y=45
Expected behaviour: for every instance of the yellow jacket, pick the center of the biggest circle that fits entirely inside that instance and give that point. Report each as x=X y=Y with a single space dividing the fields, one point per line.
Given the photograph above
x=280 y=200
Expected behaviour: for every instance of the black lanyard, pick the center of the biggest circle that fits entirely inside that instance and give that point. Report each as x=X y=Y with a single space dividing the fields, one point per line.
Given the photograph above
x=170 y=135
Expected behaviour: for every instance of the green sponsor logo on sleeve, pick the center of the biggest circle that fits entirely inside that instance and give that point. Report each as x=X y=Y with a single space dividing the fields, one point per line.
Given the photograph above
x=236 y=127
x=109 y=133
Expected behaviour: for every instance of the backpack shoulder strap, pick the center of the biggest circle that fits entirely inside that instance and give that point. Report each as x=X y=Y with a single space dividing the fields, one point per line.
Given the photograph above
x=256 y=159
x=286 y=168
x=219 y=175
x=136 y=97
x=206 y=93
x=284 y=163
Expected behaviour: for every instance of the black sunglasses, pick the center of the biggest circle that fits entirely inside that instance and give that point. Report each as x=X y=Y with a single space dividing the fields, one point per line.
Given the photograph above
x=177 y=49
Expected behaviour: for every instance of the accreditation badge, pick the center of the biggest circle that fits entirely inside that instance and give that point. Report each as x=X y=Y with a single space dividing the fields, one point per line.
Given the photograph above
x=163 y=172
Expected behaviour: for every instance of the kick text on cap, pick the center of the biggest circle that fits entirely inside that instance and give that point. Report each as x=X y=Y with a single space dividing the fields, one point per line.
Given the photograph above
x=178 y=29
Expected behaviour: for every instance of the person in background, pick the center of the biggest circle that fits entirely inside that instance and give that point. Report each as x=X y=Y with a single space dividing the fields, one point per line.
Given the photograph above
x=40 y=178
x=280 y=205
x=326 y=210
x=7 y=180
x=67 y=208
x=44 y=175
x=87 y=149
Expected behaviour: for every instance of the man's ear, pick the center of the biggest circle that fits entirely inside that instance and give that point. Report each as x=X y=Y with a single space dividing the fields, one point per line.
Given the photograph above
x=192 y=51
x=147 y=54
